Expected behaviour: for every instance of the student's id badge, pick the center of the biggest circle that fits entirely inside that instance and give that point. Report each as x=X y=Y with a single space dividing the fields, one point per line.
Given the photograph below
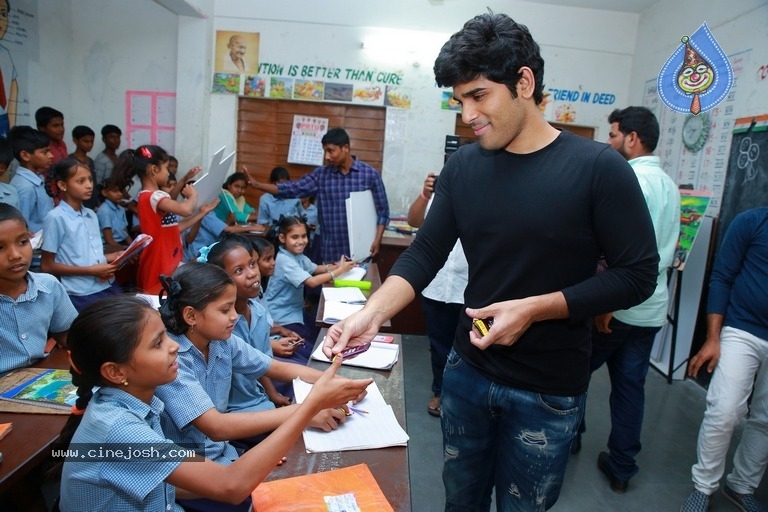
x=342 y=503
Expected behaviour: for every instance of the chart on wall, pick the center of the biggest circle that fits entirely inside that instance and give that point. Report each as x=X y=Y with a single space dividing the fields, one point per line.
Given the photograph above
x=694 y=149
x=306 y=140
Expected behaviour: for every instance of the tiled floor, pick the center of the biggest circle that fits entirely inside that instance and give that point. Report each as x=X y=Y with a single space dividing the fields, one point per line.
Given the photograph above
x=672 y=417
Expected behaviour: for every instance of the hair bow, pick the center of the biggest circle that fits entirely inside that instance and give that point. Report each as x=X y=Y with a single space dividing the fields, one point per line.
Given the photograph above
x=203 y=258
x=144 y=150
x=169 y=293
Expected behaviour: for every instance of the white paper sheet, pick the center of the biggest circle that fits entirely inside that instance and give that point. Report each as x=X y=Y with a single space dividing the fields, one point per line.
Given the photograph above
x=376 y=429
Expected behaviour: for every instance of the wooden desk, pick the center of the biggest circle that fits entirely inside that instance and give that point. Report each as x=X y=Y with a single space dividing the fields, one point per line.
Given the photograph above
x=371 y=275
x=411 y=319
x=28 y=443
x=388 y=465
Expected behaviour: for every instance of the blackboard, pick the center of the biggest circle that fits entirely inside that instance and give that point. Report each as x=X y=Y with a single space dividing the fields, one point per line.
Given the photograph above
x=746 y=181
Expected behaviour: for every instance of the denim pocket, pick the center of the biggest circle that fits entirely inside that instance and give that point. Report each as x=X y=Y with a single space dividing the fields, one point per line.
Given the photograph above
x=453 y=360
x=562 y=405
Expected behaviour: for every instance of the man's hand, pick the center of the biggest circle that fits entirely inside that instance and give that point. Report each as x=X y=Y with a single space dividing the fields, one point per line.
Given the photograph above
x=709 y=352
x=357 y=329
x=602 y=321
x=510 y=321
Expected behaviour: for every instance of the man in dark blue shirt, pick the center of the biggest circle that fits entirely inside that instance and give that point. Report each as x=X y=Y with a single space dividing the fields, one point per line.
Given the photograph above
x=736 y=349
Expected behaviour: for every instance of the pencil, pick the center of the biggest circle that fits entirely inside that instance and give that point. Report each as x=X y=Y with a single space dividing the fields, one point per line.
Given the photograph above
x=359 y=411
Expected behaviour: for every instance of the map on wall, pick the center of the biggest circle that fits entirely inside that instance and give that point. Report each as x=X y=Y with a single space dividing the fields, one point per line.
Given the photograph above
x=694 y=149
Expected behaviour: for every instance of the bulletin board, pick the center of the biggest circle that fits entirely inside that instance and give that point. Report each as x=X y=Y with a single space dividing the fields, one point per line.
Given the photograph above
x=264 y=129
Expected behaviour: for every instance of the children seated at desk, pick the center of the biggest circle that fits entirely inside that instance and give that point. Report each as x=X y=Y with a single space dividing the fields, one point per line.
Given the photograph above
x=119 y=347
x=72 y=246
x=209 y=229
x=293 y=272
x=33 y=306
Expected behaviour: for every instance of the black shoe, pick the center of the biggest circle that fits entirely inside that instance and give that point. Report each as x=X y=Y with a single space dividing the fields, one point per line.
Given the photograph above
x=617 y=484
x=576 y=444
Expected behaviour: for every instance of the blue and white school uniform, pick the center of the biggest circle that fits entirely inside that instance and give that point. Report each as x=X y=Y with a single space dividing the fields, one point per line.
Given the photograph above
x=34 y=201
x=211 y=228
x=271 y=208
x=285 y=292
x=247 y=394
x=9 y=195
x=200 y=386
x=74 y=237
x=112 y=215
x=114 y=417
x=26 y=322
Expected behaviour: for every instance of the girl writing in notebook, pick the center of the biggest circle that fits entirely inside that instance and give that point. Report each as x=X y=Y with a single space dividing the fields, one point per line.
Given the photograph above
x=294 y=271
x=158 y=212
x=120 y=349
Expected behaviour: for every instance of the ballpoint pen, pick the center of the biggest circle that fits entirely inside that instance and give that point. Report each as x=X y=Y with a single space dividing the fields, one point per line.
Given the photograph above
x=359 y=411
x=355 y=302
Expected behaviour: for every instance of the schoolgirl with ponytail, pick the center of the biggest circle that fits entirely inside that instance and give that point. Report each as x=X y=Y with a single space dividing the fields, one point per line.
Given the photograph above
x=120 y=354
x=158 y=212
x=199 y=312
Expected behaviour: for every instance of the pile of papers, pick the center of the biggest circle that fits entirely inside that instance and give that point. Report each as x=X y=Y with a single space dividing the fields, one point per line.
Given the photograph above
x=377 y=427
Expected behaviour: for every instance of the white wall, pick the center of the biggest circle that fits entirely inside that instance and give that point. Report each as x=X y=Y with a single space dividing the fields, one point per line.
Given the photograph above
x=595 y=57
x=737 y=25
x=92 y=51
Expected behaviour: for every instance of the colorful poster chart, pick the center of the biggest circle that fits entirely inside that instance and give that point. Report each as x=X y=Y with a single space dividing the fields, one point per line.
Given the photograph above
x=694 y=149
x=693 y=206
x=306 y=146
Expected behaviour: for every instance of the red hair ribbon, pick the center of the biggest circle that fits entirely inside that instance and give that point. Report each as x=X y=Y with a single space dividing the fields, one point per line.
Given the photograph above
x=144 y=150
x=77 y=412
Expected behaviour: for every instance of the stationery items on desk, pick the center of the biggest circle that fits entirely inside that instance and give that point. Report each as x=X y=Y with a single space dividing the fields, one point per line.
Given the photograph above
x=37 y=390
x=377 y=427
x=381 y=356
x=356 y=274
x=347 y=489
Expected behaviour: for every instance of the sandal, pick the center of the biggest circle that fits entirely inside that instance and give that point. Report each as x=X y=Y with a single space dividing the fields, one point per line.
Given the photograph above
x=433 y=408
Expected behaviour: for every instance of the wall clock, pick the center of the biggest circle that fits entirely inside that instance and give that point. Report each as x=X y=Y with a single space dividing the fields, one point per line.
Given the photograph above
x=695 y=132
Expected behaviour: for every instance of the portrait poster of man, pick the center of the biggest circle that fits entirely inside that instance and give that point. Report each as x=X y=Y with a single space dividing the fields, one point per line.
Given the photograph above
x=237 y=52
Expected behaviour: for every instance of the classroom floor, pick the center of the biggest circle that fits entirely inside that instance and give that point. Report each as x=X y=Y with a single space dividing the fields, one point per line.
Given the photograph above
x=672 y=417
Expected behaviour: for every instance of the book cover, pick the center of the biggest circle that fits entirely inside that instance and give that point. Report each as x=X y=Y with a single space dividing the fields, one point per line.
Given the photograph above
x=5 y=428
x=39 y=386
x=138 y=245
x=323 y=491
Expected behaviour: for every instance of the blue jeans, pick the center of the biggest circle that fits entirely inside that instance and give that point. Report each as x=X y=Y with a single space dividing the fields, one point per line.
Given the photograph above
x=496 y=435
x=442 y=318
x=627 y=352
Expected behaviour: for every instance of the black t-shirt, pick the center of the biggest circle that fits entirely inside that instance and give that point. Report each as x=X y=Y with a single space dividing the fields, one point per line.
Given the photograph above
x=534 y=224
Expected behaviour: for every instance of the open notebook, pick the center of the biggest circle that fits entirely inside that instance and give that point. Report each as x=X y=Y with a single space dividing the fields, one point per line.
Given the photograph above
x=377 y=427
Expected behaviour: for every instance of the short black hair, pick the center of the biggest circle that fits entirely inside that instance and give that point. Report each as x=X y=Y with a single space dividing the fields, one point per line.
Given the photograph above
x=279 y=173
x=493 y=46
x=110 y=128
x=81 y=131
x=336 y=136
x=639 y=120
x=26 y=138
x=6 y=152
x=43 y=116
